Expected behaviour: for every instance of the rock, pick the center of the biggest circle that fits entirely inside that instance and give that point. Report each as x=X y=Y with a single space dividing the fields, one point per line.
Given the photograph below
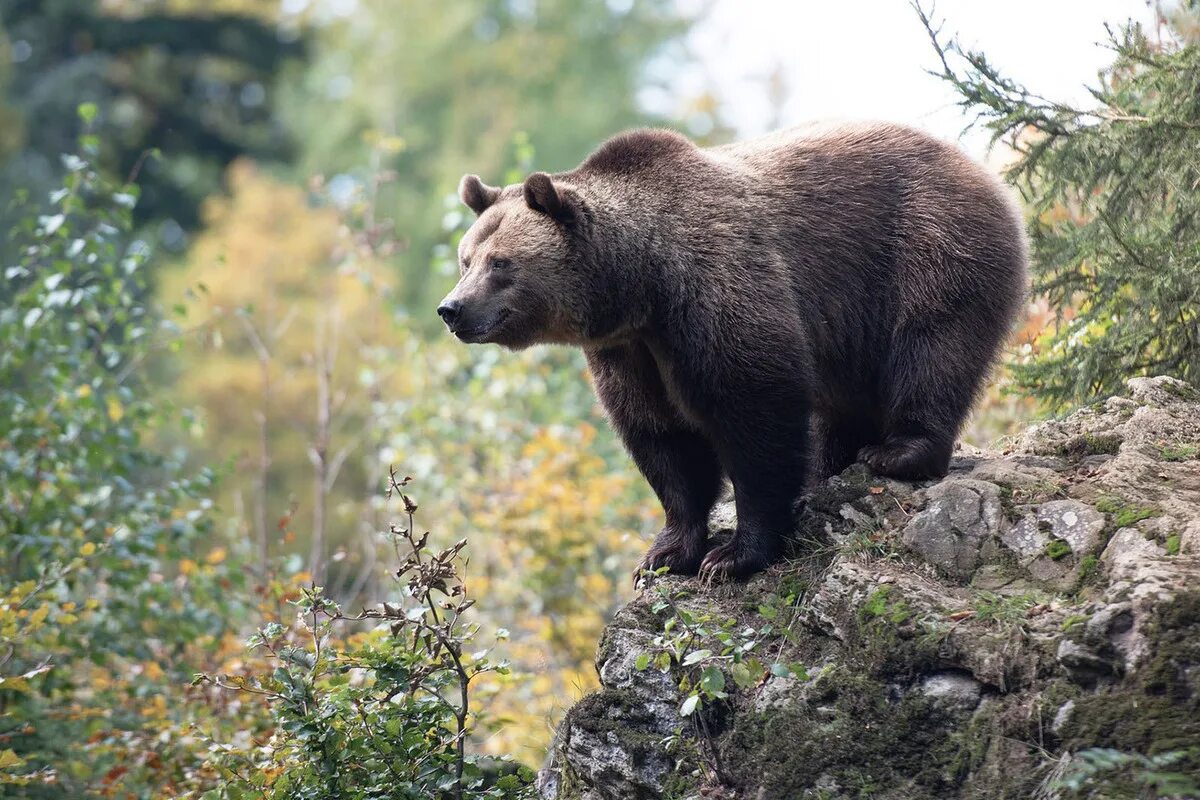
x=958 y=635
x=776 y=692
x=955 y=691
x=1051 y=541
x=1084 y=664
x=960 y=516
x=1062 y=716
x=723 y=518
x=1127 y=548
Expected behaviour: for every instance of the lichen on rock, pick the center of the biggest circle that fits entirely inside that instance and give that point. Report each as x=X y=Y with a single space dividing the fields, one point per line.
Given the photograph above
x=965 y=638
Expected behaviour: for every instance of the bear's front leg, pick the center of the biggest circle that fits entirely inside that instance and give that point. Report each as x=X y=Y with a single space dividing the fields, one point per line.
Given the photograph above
x=684 y=472
x=680 y=464
x=765 y=451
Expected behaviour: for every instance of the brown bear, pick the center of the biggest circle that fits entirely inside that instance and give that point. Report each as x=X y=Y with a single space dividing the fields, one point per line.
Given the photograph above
x=766 y=311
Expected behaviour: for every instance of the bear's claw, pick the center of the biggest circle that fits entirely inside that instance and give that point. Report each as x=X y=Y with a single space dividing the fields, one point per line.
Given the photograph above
x=731 y=561
x=680 y=554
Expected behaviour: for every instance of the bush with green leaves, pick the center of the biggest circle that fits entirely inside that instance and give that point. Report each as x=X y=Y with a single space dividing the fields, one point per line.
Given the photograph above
x=1114 y=208
x=380 y=714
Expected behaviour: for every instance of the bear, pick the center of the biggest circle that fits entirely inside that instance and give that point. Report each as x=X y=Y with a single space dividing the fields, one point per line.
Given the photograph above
x=767 y=312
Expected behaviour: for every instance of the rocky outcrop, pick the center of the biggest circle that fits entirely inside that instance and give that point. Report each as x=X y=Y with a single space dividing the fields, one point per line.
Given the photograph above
x=976 y=637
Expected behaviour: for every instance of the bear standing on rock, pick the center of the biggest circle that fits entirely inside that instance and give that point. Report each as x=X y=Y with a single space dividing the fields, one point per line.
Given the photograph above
x=767 y=311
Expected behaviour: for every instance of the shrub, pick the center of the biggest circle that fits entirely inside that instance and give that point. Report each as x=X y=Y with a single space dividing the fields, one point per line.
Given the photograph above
x=384 y=713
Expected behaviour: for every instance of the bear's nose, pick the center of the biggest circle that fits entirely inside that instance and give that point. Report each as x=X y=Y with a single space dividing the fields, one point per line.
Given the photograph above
x=449 y=311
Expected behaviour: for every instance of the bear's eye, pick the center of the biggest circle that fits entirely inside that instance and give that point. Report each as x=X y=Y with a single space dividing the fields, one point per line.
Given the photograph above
x=499 y=263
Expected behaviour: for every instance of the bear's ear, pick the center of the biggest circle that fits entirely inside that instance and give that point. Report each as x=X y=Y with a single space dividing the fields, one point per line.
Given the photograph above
x=476 y=194
x=544 y=197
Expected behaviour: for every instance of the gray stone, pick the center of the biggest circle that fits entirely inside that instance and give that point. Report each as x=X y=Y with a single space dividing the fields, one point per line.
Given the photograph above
x=954 y=691
x=548 y=782
x=612 y=769
x=1062 y=716
x=723 y=518
x=1077 y=525
x=960 y=515
x=1084 y=663
x=1071 y=521
x=1126 y=549
x=777 y=692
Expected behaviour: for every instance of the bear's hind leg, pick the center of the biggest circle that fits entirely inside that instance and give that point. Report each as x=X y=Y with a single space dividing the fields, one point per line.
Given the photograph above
x=932 y=378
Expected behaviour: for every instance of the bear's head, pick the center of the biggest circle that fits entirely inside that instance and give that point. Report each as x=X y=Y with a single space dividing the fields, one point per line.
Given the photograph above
x=523 y=273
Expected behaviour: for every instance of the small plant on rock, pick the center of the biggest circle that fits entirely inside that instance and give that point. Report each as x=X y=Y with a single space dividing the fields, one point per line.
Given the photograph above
x=710 y=658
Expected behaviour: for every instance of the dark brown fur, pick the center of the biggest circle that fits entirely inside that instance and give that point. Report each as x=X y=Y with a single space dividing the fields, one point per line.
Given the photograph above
x=765 y=311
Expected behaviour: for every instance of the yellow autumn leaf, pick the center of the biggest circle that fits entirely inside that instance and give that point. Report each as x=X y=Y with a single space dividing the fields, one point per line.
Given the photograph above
x=216 y=556
x=187 y=566
x=115 y=410
x=84 y=391
x=87 y=549
x=14 y=684
x=391 y=144
x=39 y=615
x=9 y=759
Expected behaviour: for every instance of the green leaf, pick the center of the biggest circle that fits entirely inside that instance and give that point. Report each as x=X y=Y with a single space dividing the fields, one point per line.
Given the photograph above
x=689 y=705
x=741 y=675
x=712 y=681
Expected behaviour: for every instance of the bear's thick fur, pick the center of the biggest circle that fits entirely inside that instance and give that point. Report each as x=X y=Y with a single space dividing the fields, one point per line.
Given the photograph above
x=767 y=311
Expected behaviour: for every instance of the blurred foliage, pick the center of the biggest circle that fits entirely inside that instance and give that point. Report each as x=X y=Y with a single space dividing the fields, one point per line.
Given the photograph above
x=291 y=346
x=562 y=527
x=194 y=84
x=1101 y=772
x=115 y=587
x=111 y=581
x=1116 y=216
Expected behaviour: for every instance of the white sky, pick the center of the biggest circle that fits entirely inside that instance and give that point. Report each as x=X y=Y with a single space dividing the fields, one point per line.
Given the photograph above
x=866 y=59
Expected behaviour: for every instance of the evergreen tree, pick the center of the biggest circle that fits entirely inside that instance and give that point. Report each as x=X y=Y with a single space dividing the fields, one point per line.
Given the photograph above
x=1114 y=195
x=194 y=85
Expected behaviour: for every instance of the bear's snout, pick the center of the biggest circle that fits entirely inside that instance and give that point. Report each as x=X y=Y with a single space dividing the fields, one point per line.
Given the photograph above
x=449 y=311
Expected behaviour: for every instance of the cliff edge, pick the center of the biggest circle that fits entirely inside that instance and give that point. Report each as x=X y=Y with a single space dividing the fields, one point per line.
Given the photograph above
x=1027 y=627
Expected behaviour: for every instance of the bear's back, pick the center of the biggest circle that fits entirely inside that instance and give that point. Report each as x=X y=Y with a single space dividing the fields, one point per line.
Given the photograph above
x=880 y=185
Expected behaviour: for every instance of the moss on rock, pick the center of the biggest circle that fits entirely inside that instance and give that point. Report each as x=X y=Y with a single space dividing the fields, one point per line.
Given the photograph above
x=1158 y=709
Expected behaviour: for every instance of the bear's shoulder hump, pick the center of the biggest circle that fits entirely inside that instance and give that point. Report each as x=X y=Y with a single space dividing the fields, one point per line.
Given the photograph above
x=638 y=149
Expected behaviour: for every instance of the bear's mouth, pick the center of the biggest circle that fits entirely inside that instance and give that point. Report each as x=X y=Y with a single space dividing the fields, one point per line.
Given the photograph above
x=479 y=333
